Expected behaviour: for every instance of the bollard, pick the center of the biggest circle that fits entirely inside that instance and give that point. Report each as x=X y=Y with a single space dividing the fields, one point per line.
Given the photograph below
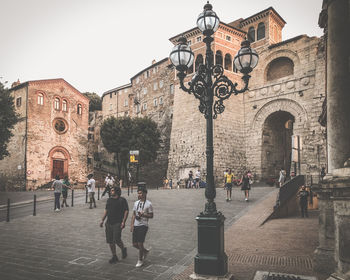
x=34 y=210
x=8 y=210
x=128 y=190
x=98 y=192
x=72 y=198
x=86 y=195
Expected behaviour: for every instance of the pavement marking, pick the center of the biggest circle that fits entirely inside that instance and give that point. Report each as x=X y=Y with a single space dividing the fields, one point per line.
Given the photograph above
x=266 y=275
x=83 y=261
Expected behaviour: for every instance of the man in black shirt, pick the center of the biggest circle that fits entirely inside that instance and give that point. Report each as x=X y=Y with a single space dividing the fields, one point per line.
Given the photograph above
x=117 y=211
x=303 y=196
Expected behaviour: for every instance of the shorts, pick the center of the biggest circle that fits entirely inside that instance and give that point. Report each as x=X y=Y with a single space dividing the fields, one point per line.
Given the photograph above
x=64 y=194
x=197 y=179
x=91 y=195
x=113 y=233
x=229 y=186
x=139 y=234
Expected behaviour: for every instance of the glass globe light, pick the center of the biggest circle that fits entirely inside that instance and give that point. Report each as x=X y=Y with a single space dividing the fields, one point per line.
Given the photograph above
x=246 y=59
x=208 y=21
x=181 y=55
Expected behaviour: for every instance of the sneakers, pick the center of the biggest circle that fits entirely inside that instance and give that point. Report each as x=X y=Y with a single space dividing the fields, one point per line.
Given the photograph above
x=229 y=199
x=124 y=253
x=145 y=254
x=139 y=263
x=114 y=259
x=246 y=199
x=57 y=210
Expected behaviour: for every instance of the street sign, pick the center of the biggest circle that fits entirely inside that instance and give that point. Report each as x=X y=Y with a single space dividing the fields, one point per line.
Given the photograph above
x=134 y=156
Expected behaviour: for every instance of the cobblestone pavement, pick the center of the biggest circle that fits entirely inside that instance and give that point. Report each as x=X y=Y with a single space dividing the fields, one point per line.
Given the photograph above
x=71 y=245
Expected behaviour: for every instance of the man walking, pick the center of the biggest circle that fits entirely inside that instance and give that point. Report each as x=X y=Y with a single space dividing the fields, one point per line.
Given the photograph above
x=117 y=211
x=91 y=189
x=142 y=211
x=197 y=178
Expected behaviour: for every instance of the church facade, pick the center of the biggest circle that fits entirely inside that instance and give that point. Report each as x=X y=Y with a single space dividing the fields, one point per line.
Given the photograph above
x=51 y=137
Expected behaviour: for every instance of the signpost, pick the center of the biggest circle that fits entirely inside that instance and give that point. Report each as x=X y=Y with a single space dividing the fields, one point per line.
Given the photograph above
x=134 y=158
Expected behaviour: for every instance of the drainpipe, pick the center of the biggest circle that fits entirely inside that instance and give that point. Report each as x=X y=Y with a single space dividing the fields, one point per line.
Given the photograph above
x=26 y=141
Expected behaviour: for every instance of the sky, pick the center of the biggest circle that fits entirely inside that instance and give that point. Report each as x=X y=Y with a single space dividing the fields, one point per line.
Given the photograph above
x=97 y=45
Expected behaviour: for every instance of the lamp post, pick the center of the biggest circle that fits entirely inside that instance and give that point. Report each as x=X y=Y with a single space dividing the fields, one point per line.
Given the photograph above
x=211 y=87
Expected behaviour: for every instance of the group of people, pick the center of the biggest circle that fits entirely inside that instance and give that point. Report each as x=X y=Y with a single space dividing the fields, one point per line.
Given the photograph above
x=193 y=179
x=61 y=188
x=116 y=212
x=245 y=182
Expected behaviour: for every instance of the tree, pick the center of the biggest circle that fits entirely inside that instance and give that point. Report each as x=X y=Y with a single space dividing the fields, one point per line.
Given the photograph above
x=121 y=135
x=95 y=101
x=8 y=119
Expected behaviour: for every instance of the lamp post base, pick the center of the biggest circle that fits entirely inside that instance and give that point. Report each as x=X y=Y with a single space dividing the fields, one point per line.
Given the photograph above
x=211 y=258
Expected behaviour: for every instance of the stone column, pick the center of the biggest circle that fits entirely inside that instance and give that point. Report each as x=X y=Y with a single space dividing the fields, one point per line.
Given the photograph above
x=324 y=254
x=341 y=199
x=338 y=80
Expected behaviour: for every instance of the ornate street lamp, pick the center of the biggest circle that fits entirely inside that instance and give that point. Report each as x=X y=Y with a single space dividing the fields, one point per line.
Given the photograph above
x=211 y=87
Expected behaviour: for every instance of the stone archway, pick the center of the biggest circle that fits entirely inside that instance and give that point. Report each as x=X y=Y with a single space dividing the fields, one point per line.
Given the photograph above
x=276 y=144
x=268 y=116
x=59 y=159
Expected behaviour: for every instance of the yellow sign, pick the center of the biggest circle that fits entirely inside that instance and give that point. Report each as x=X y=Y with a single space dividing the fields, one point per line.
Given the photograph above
x=133 y=158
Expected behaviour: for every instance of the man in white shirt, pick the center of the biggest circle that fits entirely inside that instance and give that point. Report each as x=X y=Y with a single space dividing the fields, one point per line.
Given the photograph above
x=142 y=211
x=197 y=178
x=91 y=183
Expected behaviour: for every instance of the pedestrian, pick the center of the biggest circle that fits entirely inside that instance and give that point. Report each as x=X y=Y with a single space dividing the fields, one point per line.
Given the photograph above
x=190 y=180
x=142 y=211
x=228 y=183
x=66 y=185
x=245 y=186
x=171 y=184
x=303 y=196
x=108 y=186
x=251 y=181
x=225 y=173
x=116 y=211
x=323 y=172
x=197 y=178
x=282 y=177
x=57 y=186
x=91 y=183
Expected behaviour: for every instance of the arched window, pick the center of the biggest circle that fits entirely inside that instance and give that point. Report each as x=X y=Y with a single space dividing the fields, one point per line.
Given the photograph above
x=251 y=34
x=40 y=99
x=261 y=31
x=79 y=109
x=57 y=103
x=64 y=105
x=279 y=68
x=228 y=62
x=199 y=60
x=218 y=58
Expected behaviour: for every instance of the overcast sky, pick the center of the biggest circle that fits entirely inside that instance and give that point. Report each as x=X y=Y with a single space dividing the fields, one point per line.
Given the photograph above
x=97 y=45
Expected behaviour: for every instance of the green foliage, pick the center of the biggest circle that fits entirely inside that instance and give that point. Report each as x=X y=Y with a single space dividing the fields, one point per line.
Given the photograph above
x=121 y=135
x=95 y=101
x=8 y=119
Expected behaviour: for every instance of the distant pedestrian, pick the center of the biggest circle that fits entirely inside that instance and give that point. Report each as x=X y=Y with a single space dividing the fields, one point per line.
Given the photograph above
x=190 y=180
x=66 y=185
x=171 y=184
x=245 y=185
x=323 y=172
x=116 y=211
x=91 y=183
x=197 y=178
x=108 y=186
x=303 y=197
x=57 y=186
x=228 y=183
x=142 y=211
x=282 y=177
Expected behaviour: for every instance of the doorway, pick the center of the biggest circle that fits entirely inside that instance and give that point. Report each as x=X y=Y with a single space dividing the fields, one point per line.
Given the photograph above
x=276 y=144
x=58 y=168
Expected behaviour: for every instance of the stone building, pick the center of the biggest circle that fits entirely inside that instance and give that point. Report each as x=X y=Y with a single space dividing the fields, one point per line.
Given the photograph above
x=51 y=137
x=255 y=131
x=150 y=94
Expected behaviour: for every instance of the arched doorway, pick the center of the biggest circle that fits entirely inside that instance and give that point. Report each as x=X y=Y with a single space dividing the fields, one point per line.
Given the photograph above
x=276 y=144
x=59 y=157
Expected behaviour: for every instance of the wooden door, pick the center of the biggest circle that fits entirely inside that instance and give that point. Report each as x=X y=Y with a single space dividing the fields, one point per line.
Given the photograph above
x=58 y=168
